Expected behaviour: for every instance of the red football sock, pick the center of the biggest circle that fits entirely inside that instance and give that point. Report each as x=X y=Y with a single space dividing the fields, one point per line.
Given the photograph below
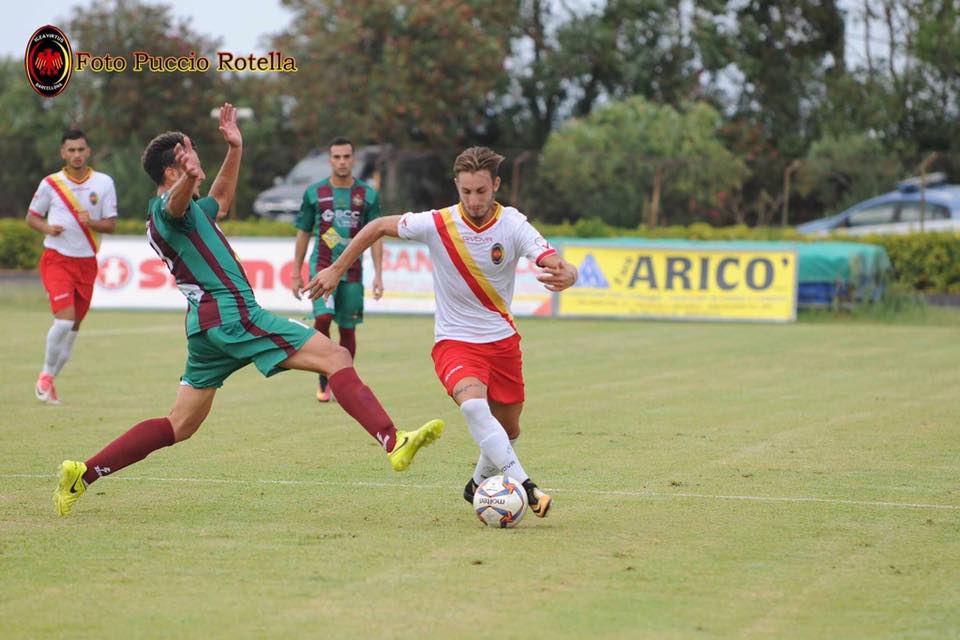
x=358 y=400
x=348 y=340
x=322 y=324
x=133 y=446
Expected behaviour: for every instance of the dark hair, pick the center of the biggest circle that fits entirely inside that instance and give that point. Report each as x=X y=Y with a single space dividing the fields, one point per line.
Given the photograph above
x=73 y=134
x=476 y=159
x=340 y=140
x=159 y=154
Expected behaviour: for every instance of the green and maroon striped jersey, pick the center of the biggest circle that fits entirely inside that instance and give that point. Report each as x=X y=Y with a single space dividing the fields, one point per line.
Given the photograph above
x=198 y=255
x=334 y=215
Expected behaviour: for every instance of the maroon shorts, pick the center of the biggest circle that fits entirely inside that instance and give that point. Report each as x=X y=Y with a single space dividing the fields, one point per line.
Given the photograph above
x=68 y=281
x=498 y=365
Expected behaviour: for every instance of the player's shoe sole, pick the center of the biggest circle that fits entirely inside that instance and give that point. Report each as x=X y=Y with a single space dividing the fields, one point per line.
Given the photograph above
x=410 y=442
x=70 y=488
x=470 y=490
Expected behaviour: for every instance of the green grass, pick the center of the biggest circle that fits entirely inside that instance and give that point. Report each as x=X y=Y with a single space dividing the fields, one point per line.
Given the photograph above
x=711 y=481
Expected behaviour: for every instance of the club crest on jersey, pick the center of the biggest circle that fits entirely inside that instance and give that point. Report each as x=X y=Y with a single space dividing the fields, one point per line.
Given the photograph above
x=357 y=200
x=496 y=253
x=93 y=197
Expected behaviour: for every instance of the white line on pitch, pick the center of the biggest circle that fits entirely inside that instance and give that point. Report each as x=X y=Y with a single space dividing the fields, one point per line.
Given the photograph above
x=631 y=494
x=155 y=328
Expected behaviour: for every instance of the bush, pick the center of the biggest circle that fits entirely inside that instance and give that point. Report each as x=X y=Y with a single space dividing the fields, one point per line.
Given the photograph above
x=20 y=246
x=256 y=227
x=927 y=262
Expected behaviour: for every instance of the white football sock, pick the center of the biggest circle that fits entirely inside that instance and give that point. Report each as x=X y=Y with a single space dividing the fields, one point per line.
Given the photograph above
x=489 y=434
x=486 y=468
x=55 y=337
x=66 y=348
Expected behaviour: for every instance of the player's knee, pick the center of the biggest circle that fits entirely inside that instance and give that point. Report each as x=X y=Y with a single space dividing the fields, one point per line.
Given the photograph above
x=341 y=358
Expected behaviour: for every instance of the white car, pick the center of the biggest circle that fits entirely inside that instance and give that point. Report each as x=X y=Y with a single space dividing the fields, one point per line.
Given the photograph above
x=898 y=211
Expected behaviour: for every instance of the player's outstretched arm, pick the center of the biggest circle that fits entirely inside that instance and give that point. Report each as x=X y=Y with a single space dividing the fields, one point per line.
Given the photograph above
x=322 y=284
x=224 y=186
x=182 y=190
x=558 y=274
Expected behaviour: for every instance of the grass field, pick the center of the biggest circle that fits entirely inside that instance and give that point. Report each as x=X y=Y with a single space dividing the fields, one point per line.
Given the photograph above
x=711 y=481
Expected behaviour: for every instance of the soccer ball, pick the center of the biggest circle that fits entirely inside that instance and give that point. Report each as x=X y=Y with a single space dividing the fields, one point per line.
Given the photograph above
x=500 y=501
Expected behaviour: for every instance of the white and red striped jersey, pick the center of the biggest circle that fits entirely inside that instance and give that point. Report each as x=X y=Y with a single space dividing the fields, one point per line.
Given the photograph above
x=474 y=268
x=56 y=199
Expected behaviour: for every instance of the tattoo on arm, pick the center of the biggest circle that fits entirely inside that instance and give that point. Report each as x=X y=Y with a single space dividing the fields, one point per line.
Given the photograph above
x=459 y=391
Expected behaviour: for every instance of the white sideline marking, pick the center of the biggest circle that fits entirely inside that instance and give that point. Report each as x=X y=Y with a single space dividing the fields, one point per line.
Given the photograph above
x=154 y=328
x=631 y=494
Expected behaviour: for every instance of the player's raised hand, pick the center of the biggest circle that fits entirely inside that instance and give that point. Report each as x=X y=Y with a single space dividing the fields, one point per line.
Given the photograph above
x=186 y=158
x=228 y=125
x=559 y=276
x=322 y=284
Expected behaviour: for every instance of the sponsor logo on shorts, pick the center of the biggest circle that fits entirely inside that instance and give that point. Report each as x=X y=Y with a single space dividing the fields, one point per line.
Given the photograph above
x=452 y=371
x=60 y=296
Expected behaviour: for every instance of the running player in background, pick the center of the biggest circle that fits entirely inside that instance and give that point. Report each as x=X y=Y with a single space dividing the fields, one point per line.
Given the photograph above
x=337 y=207
x=474 y=246
x=71 y=207
x=226 y=328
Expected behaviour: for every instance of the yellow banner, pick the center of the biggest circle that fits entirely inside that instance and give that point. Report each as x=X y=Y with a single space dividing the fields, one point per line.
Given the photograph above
x=682 y=283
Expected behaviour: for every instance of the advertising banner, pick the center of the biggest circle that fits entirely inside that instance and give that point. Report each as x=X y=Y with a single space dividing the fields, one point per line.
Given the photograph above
x=681 y=283
x=132 y=276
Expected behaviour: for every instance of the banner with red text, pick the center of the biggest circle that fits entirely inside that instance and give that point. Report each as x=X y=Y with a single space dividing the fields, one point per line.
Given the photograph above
x=132 y=276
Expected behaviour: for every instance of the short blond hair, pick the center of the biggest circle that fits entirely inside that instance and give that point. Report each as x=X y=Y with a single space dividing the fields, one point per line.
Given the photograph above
x=477 y=159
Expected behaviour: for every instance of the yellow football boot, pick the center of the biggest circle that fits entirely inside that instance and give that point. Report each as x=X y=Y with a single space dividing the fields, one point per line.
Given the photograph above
x=71 y=486
x=409 y=442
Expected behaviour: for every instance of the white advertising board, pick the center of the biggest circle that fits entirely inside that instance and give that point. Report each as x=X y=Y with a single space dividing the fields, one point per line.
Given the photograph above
x=132 y=276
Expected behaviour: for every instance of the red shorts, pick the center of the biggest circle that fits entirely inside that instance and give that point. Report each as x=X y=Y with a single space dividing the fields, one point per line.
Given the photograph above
x=68 y=281
x=499 y=365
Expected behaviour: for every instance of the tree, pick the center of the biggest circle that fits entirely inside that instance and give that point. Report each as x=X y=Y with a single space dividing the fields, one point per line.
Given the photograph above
x=392 y=71
x=635 y=156
x=782 y=51
x=841 y=171
x=29 y=136
x=567 y=64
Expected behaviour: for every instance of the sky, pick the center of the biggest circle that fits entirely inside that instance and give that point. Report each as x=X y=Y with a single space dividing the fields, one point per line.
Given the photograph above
x=240 y=31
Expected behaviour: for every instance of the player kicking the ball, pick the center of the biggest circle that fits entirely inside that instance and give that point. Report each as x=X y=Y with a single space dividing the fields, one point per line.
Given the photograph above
x=226 y=328
x=474 y=246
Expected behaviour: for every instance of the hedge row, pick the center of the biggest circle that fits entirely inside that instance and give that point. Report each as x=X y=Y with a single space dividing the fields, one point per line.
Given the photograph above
x=925 y=262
